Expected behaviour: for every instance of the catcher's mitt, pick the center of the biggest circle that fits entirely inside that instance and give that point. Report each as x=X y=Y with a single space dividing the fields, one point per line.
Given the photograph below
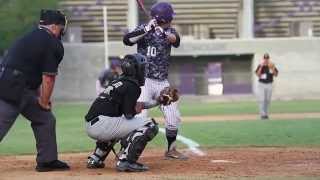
x=168 y=95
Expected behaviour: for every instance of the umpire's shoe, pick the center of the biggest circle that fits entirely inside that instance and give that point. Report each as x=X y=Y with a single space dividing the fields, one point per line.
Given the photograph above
x=55 y=165
x=94 y=164
x=125 y=166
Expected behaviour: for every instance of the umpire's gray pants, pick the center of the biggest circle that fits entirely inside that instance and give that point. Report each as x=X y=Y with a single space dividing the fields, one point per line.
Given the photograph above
x=264 y=97
x=43 y=124
x=114 y=128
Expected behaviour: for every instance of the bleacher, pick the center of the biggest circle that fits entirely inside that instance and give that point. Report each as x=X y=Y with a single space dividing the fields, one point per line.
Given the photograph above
x=275 y=17
x=200 y=19
x=196 y=18
x=207 y=18
x=88 y=15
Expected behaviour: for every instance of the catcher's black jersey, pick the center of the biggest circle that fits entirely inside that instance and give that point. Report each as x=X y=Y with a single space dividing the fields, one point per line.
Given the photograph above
x=119 y=98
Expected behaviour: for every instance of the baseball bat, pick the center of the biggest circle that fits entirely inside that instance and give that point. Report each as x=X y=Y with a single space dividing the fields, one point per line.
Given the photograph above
x=142 y=7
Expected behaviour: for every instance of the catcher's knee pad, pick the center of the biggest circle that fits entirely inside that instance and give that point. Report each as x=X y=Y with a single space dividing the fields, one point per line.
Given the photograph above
x=134 y=144
x=102 y=150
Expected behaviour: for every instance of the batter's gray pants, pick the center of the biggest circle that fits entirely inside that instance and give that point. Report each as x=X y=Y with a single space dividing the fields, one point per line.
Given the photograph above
x=149 y=92
x=114 y=128
x=264 y=97
x=43 y=124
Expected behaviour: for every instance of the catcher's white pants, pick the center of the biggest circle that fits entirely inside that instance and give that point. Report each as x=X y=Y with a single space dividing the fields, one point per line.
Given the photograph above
x=149 y=92
x=113 y=128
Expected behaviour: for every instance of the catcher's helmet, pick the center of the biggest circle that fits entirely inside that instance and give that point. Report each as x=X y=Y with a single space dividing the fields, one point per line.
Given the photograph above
x=133 y=65
x=162 y=12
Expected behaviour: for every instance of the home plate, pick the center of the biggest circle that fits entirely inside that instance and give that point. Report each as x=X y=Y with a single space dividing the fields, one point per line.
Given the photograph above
x=222 y=161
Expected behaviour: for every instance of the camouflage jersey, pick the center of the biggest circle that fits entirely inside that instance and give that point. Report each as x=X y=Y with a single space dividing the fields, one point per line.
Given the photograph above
x=157 y=49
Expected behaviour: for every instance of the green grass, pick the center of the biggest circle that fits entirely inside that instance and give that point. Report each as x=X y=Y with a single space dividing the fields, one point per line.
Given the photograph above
x=221 y=108
x=196 y=108
x=296 y=133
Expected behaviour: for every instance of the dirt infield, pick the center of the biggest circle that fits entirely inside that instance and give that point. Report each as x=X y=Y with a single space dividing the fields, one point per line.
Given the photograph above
x=218 y=163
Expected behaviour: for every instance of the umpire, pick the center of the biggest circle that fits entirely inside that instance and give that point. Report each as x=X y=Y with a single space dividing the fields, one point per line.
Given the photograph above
x=27 y=78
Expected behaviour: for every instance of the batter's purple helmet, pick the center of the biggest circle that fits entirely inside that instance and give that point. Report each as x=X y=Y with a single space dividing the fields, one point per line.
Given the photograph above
x=162 y=12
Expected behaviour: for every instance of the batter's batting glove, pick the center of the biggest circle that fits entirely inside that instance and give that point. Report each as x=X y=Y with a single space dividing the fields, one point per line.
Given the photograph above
x=159 y=31
x=150 y=26
x=168 y=95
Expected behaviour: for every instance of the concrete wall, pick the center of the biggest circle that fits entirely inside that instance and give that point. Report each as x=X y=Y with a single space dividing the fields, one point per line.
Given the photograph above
x=298 y=61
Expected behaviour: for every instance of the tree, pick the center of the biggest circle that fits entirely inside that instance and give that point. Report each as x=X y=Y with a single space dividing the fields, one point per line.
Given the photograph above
x=18 y=17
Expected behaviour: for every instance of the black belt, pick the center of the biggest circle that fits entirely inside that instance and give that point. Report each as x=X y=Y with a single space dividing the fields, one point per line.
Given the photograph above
x=93 y=120
x=14 y=71
x=1 y=71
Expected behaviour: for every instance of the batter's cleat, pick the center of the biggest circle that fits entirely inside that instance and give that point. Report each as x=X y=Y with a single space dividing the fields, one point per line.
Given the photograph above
x=94 y=164
x=174 y=154
x=55 y=165
x=264 y=117
x=125 y=166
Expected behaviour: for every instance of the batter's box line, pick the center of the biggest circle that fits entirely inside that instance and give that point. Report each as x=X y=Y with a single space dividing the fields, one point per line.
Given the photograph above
x=192 y=145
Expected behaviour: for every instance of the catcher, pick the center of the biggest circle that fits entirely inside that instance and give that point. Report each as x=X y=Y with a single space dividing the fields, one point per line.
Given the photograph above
x=111 y=118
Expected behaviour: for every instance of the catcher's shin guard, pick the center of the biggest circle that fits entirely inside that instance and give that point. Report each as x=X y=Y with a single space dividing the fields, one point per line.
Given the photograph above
x=100 y=154
x=134 y=144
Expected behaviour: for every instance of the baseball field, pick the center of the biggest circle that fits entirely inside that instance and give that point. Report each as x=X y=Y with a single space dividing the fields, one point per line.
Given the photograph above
x=233 y=144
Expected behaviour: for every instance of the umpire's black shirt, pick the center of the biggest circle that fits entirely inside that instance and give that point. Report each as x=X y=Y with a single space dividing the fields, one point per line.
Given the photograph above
x=119 y=98
x=36 y=53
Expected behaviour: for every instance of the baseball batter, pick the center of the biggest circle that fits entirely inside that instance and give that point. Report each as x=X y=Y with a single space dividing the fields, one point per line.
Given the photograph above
x=155 y=40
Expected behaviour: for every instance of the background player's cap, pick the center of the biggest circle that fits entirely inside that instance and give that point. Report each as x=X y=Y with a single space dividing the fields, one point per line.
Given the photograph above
x=48 y=17
x=115 y=62
x=266 y=56
x=162 y=12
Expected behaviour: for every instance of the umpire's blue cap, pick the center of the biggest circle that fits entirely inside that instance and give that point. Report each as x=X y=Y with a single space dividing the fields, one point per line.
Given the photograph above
x=48 y=16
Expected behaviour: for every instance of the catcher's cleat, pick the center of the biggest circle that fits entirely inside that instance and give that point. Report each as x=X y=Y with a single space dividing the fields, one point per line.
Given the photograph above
x=55 y=165
x=174 y=154
x=93 y=164
x=125 y=166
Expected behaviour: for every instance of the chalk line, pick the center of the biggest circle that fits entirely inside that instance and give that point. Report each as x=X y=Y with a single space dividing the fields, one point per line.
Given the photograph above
x=222 y=161
x=192 y=145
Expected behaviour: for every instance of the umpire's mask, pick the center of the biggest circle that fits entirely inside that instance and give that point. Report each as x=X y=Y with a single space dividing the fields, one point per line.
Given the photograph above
x=48 y=17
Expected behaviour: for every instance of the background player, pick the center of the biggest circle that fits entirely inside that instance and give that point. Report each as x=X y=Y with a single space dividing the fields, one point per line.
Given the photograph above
x=108 y=75
x=112 y=117
x=155 y=40
x=265 y=71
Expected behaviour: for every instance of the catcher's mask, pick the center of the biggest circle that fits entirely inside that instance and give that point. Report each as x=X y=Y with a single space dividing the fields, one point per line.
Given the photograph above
x=134 y=65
